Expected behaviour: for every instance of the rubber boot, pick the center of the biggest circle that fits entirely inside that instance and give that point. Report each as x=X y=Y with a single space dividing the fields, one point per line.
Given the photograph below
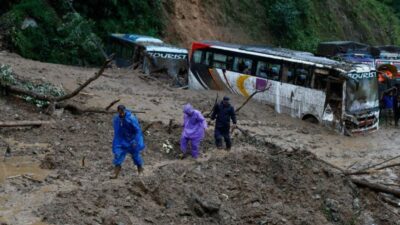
x=117 y=169
x=140 y=169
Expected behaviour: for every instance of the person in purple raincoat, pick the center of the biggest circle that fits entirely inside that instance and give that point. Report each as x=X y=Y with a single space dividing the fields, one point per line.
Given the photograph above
x=194 y=126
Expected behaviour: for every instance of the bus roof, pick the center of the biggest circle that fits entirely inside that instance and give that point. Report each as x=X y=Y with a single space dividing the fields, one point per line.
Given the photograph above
x=136 y=38
x=149 y=43
x=280 y=54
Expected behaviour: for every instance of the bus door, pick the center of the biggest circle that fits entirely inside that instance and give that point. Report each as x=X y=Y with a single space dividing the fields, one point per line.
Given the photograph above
x=334 y=99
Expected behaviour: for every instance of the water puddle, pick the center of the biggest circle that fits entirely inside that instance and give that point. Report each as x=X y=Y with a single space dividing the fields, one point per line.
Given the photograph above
x=14 y=167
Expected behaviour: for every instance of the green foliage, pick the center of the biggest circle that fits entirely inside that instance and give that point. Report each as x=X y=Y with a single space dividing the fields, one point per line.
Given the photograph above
x=284 y=19
x=67 y=40
x=44 y=89
x=6 y=75
x=62 y=36
x=123 y=16
x=7 y=78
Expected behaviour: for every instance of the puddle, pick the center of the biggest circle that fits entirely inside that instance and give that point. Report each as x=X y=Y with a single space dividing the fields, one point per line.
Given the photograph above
x=22 y=145
x=18 y=166
x=40 y=223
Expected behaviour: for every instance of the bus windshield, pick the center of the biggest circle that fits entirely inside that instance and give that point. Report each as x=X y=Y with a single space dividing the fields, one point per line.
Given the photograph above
x=362 y=92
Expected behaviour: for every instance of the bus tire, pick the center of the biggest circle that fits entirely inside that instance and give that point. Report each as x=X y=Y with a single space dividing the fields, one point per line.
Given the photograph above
x=310 y=119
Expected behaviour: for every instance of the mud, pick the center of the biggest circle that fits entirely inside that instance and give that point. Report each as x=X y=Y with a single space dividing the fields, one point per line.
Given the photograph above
x=271 y=176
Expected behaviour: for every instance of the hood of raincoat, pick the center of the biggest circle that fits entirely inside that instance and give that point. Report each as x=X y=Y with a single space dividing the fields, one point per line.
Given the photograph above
x=188 y=109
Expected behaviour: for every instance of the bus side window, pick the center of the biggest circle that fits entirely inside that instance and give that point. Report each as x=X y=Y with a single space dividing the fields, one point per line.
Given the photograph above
x=262 y=70
x=303 y=77
x=288 y=74
x=197 y=56
x=219 y=61
x=208 y=59
x=242 y=65
x=275 y=72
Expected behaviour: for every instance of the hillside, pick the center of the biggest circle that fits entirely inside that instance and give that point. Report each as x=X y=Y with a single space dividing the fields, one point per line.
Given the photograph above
x=298 y=24
x=56 y=34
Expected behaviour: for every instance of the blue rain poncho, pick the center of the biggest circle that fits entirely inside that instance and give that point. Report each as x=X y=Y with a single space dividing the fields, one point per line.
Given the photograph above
x=128 y=138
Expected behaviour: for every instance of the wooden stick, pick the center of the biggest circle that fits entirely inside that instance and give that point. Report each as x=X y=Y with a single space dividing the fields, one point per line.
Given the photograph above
x=208 y=115
x=376 y=187
x=112 y=103
x=252 y=95
x=24 y=123
x=365 y=170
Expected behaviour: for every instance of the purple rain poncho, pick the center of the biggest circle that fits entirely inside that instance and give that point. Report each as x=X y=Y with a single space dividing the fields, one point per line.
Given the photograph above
x=194 y=123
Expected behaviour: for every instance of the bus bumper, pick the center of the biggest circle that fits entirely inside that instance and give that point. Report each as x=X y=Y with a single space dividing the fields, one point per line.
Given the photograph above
x=361 y=124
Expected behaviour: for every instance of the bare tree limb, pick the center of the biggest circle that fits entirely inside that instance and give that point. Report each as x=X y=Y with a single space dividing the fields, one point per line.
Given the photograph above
x=112 y=103
x=21 y=91
x=365 y=170
x=90 y=80
x=252 y=95
x=24 y=123
x=376 y=187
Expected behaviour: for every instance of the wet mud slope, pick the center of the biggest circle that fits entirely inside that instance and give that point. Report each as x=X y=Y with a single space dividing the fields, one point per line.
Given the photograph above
x=255 y=183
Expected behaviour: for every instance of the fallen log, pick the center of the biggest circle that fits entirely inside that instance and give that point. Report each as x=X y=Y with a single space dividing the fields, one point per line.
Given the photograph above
x=376 y=187
x=365 y=170
x=24 y=123
x=76 y=110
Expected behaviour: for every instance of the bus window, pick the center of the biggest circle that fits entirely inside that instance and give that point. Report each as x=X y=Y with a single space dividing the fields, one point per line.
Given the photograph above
x=288 y=74
x=209 y=59
x=242 y=65
x=303 y=77
x=262 y=70
x=268 y=70
x=219 y=61
x=197 y=56
x=229 y=62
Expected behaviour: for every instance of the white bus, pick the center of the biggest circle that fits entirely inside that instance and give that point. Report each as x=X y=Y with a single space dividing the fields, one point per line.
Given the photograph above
x=316 y=89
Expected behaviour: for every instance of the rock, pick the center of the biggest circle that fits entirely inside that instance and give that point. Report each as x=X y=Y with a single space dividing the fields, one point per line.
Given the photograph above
x=58 y=112
x=48 y=162
x=331 y=204
x=202 y=206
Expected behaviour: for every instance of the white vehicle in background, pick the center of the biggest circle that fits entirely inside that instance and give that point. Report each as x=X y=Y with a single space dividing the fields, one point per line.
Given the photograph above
x=149 y=53
x=316 y=89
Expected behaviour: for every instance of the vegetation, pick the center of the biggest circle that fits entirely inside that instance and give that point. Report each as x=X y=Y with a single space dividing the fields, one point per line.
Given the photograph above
x=53 y=31
x=72 y=32
x=7 y=78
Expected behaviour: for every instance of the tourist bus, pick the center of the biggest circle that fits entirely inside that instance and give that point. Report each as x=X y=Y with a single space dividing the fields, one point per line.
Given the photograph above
x=148 y=53
x=316 y=89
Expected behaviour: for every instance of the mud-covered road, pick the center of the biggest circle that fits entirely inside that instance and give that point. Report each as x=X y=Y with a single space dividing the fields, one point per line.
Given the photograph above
x=271 y=178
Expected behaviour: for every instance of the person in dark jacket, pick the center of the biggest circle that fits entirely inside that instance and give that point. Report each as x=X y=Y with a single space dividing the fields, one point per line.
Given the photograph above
x=223 y=113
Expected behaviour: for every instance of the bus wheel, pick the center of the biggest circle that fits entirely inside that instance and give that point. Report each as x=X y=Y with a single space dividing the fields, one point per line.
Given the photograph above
x=310 y=119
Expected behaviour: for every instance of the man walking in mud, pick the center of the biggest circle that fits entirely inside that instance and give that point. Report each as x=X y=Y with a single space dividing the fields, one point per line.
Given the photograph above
x=223 y=113
x=194 y=126
x=128 y=138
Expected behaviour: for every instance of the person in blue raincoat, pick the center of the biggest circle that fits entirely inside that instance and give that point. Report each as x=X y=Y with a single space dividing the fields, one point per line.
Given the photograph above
x=128 y=138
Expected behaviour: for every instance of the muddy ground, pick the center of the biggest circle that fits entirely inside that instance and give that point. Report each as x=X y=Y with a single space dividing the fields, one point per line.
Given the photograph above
x=274 y=177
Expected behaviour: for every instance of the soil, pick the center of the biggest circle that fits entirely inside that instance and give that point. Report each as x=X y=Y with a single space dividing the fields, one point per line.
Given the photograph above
x=59 y=173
